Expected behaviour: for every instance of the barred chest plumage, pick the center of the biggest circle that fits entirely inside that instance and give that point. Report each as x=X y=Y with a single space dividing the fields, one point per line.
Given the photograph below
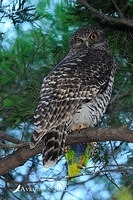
x=91 y=113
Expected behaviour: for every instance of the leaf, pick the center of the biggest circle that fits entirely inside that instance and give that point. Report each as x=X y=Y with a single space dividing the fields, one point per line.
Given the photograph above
x=11 y=101
x=124 y=194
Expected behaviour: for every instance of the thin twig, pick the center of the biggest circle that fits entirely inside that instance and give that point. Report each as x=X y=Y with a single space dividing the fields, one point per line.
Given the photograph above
x=117 y=94
x=5 y=136
x=118 y=9
x=10 y=146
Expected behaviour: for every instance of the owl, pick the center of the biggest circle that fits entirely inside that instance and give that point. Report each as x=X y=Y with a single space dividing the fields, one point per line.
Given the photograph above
x=75 y=94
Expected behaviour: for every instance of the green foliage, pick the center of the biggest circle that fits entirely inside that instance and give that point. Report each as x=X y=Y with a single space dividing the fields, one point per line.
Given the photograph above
x=123 y=194
x=19 y=11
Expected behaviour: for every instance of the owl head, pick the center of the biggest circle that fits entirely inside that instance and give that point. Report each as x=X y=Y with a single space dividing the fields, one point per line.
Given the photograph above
x=88 y=37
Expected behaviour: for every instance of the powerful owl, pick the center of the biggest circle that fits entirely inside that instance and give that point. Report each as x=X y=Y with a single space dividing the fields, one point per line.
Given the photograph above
x=75 y=94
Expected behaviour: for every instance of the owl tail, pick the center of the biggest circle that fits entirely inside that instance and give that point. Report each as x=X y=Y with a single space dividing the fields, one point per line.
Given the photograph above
x=53 y=146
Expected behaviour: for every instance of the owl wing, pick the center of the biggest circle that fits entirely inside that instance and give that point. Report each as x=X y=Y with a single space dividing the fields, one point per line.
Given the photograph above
x=64 y=90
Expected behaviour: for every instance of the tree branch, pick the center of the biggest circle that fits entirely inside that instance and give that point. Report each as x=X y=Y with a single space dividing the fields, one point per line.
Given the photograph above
x=4 y=136
x=100 y=135
x=105 y=18
x=19 y=157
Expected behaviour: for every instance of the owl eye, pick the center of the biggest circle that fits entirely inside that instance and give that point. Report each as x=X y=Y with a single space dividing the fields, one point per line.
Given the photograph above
x=93 y=36
x=78 y=40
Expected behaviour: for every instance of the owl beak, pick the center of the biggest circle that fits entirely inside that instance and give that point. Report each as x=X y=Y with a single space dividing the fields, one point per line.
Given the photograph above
x=87 y=43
